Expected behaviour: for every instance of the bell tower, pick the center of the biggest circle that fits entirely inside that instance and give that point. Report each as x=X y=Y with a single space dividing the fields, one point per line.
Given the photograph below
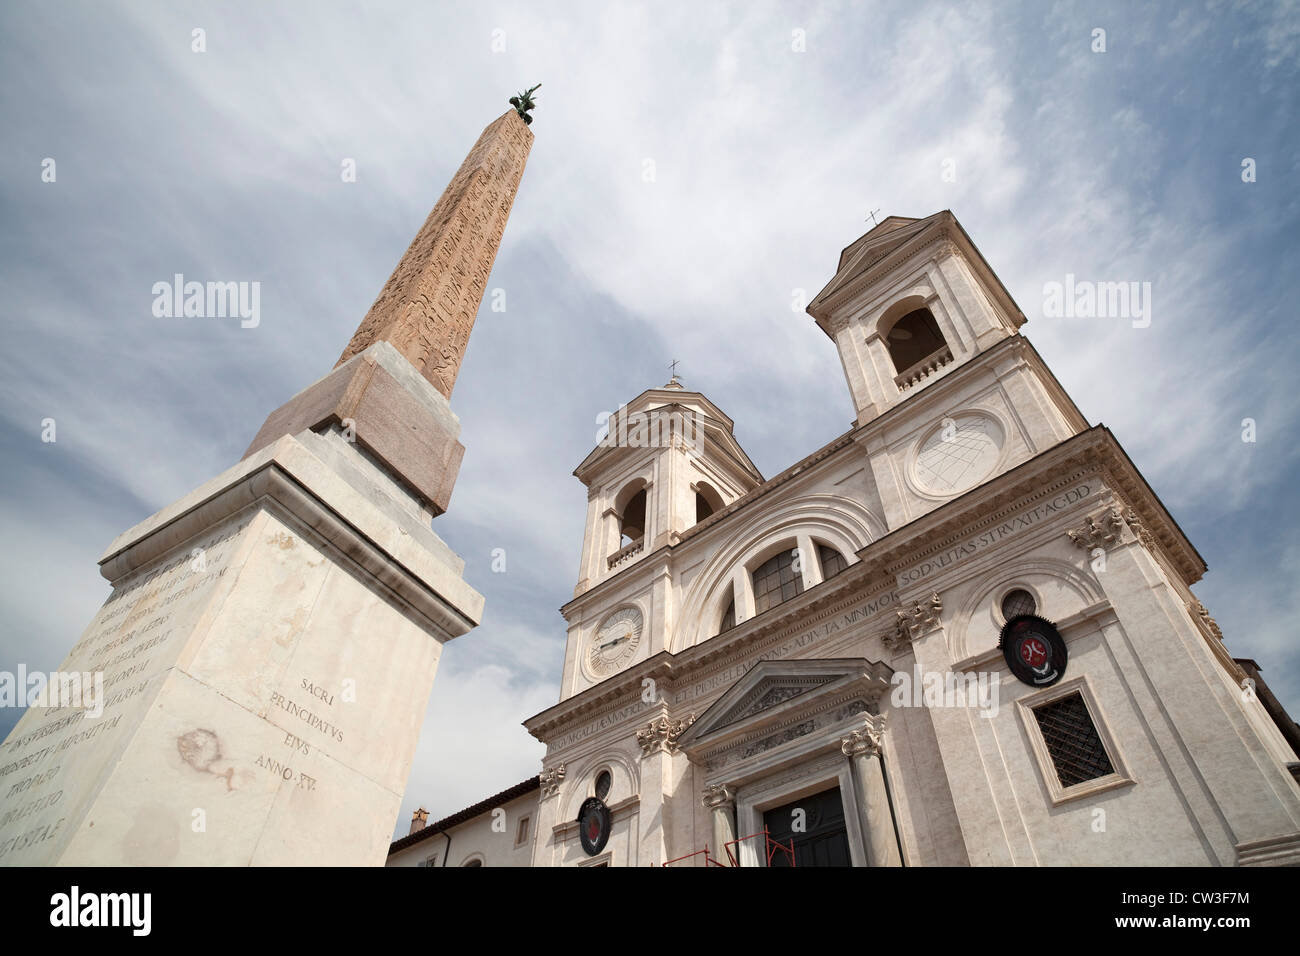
x=910 y=301
x=947 y=392
x=664 y=462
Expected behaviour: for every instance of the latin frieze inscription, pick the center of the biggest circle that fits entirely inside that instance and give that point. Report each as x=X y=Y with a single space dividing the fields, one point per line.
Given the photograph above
x=987 y=539
x=609 y=720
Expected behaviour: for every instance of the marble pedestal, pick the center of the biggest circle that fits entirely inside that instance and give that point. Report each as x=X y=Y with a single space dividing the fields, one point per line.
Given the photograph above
x=266 y=655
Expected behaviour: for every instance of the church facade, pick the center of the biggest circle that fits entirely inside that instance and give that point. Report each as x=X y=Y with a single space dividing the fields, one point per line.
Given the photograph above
x=961 y=633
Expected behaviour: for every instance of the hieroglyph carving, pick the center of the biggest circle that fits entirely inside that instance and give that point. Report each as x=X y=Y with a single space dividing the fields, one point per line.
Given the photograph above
x=426 y=310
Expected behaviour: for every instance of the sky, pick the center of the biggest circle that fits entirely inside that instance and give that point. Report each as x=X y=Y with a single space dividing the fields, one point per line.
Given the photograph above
x=696 y=171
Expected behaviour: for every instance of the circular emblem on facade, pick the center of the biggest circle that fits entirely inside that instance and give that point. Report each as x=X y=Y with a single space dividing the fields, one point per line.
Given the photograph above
x=1034 y=650
x=960 y=453
x=614 y=642
x=593 y=825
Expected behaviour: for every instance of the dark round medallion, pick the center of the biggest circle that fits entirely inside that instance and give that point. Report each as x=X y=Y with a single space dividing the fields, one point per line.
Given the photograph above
x=1034 y=650
x=593 y=825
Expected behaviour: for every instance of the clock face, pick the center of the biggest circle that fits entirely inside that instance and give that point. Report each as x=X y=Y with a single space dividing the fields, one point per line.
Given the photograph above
x=958 y=455
x=614 y=642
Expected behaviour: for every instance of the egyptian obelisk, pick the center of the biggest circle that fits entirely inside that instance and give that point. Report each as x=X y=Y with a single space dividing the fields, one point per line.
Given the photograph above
x=269 y=646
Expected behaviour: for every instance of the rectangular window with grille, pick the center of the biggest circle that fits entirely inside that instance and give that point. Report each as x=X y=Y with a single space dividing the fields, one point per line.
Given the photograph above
x=1073 y=743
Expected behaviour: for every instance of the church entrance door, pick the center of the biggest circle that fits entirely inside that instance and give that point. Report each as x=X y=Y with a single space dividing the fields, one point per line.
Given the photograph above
x=816 y=824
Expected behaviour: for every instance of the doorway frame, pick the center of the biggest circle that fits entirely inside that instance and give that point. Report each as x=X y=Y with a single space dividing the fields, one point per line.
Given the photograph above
x=803 y=778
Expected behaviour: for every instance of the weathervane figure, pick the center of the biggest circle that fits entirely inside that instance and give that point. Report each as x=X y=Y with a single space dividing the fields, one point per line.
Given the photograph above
x=523 y=102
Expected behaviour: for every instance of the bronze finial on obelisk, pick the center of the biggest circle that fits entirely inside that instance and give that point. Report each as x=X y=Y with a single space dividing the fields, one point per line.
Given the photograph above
x=388 y=392
x=426 y=309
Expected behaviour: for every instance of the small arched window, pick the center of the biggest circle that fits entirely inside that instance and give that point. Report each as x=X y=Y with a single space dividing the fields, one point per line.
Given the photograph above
x=632 y=520
x=914 y=338
x=707 y=502
x=775 y=581
x=832 y=561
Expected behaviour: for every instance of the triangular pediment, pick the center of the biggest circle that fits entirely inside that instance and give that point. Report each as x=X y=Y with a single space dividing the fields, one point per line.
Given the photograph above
x=771 y=687
x=715 y=427
x=769 y=692
x=871 y=259
x=886 y=238
x=884 y=233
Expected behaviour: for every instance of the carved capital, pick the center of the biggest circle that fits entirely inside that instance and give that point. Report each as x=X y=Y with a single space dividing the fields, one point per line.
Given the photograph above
x=660 y=735
x=1139 y=529
x=1100 y=531
x=945 y=247
x=718 y=796
x=921 y=618
x=865 y=742
x=1199 y=611
x=551 y=780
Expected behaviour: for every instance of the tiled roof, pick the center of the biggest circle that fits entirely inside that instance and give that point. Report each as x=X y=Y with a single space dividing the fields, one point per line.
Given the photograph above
x=460 y=816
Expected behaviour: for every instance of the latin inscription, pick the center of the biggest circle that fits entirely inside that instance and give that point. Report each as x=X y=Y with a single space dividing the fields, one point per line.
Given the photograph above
x=985 y=540
x=312 y=720
x=122 y=641
x=285 y=772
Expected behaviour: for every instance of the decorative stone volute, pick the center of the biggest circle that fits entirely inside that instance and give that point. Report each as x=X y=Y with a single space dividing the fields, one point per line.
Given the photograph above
x=551 y=780
x=865 y=741
x=1099 y=531
x=660 y=735
x=921 y=618
x=718 y=795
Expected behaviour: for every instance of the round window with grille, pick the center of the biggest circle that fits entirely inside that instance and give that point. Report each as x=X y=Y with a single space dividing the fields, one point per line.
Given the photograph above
x=1018 y=602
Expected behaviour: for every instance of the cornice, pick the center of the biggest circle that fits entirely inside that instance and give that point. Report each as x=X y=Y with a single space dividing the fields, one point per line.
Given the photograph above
x=1092 y=453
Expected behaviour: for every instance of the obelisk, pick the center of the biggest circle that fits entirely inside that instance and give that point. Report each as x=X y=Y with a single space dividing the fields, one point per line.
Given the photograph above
x=271 y=639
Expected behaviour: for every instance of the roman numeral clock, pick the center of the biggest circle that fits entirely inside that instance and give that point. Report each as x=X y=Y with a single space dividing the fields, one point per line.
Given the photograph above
x=615 y=642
